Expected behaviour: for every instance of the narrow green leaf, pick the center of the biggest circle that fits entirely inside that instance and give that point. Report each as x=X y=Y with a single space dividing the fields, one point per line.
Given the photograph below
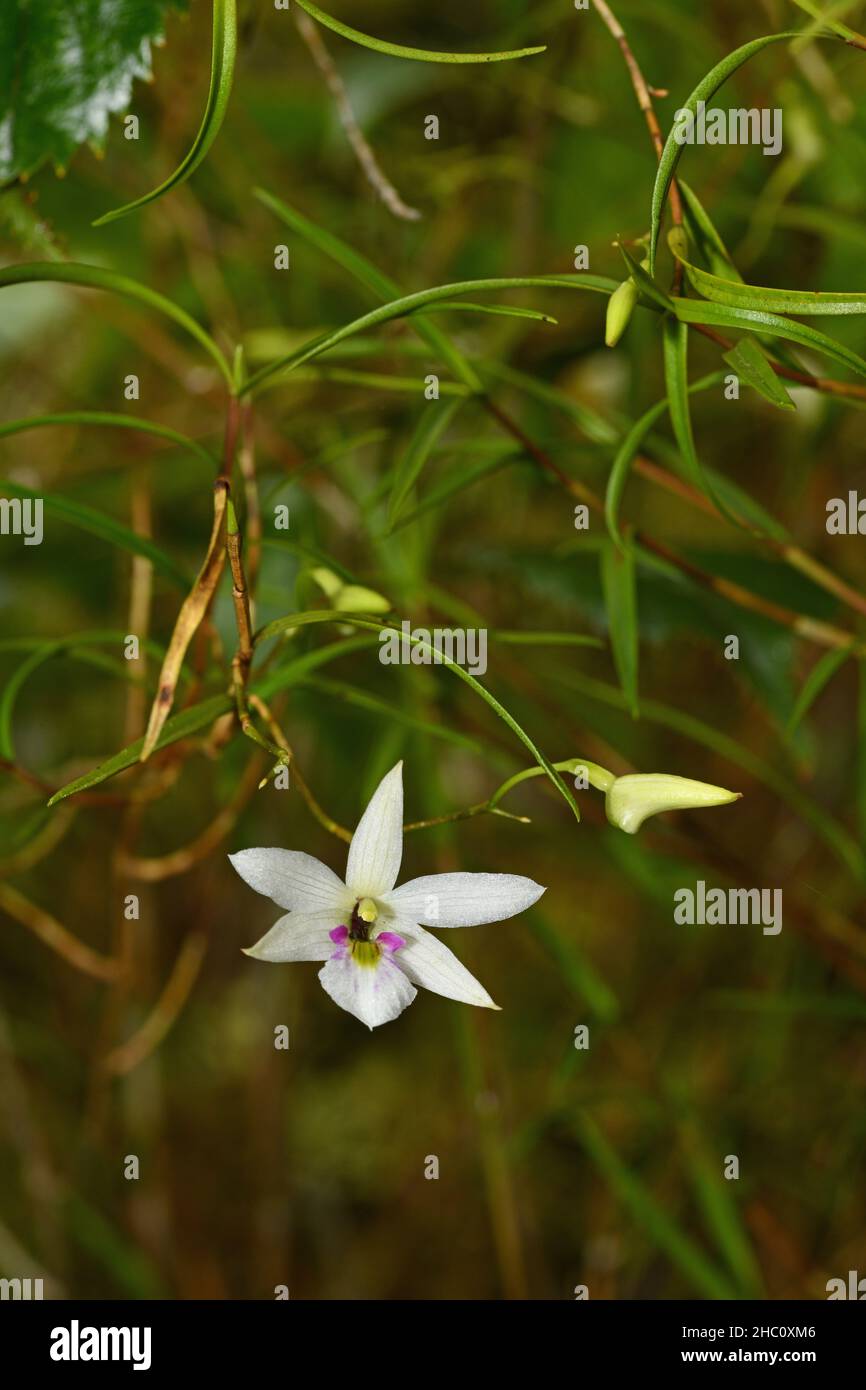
x=752 y=321
x=421 y=300
x=101 y=417
x=750 y=363
x=621 y=468
x=509 y=311
x=224 y=50
x=722 y=1215
x=434 y=419
x=620 y=598
x=43 y=651
x=438 y=657
x=199 y=716
x=683 y=1252
x=825 y=19
x=820 y=675
x=576 y=968
x=397 y=50
x=705 y=236
x=382 y=286
x=738 y=295
x=645 y=282
x=457 y=481
x=96 y=278
x=546 y=639
x=98 y=524
x=676 y=347
x=705 y=89
x=392 y=713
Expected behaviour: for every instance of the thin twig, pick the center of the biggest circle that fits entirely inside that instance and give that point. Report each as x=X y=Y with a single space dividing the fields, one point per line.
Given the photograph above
x=165 y=1013
x=642 y=92
x=822 y=633
x=196 y=605
x=378 y=181
x=180 y=861
x=56 y=937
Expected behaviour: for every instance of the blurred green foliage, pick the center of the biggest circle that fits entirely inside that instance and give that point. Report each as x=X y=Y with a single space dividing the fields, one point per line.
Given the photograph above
x=558 y=1167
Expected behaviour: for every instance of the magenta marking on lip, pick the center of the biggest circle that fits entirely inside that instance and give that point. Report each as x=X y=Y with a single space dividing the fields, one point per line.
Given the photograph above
x=339 y=934
x=390 y=941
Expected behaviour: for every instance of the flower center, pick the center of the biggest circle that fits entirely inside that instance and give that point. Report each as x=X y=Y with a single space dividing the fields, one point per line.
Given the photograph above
x=364 y=914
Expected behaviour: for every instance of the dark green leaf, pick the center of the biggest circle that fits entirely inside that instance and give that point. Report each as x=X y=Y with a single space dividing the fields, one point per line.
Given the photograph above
x=65 y=67
x=750 y=363
x=620 y=597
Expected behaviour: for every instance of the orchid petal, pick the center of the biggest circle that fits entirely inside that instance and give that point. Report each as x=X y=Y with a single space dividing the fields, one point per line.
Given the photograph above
x=375 y=994
x=293 y=880
x=430 y=964
x=463 y=900
x=377 y=845
x=297 y=936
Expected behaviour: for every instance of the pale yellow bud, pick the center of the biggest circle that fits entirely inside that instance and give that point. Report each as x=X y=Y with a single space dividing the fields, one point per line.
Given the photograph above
x=620 y=308
x=631 y=799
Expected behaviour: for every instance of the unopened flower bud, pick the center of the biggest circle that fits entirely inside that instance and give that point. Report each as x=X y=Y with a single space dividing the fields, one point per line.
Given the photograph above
x=631 y=799
x=620 y=308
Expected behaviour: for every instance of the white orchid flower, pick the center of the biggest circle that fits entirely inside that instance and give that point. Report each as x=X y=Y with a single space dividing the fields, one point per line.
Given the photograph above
x=370 y=934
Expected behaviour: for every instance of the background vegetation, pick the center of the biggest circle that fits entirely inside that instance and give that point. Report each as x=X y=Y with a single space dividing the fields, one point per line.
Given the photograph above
x=558 y=1167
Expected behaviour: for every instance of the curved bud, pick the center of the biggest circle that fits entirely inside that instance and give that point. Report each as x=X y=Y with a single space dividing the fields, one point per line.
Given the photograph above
x=354 y=598
x=620 y=308
x=631 y=799
x=679 y=243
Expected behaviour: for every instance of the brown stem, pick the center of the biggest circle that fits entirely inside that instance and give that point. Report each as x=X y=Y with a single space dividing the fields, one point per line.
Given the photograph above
x=642 y=92
x=55 y=936
x=378 y=181
x=180 y=861
x=175 y=994
x=822 y=633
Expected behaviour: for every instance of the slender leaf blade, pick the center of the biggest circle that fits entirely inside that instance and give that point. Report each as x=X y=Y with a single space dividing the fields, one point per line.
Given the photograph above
x=223 y=54
x=397 y=50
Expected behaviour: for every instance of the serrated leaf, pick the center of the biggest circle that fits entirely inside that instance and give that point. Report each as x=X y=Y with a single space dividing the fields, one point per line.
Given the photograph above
x=223 y=54
x=397 y=50
x=750 y=363
x=620 y=598
x=65 y=67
